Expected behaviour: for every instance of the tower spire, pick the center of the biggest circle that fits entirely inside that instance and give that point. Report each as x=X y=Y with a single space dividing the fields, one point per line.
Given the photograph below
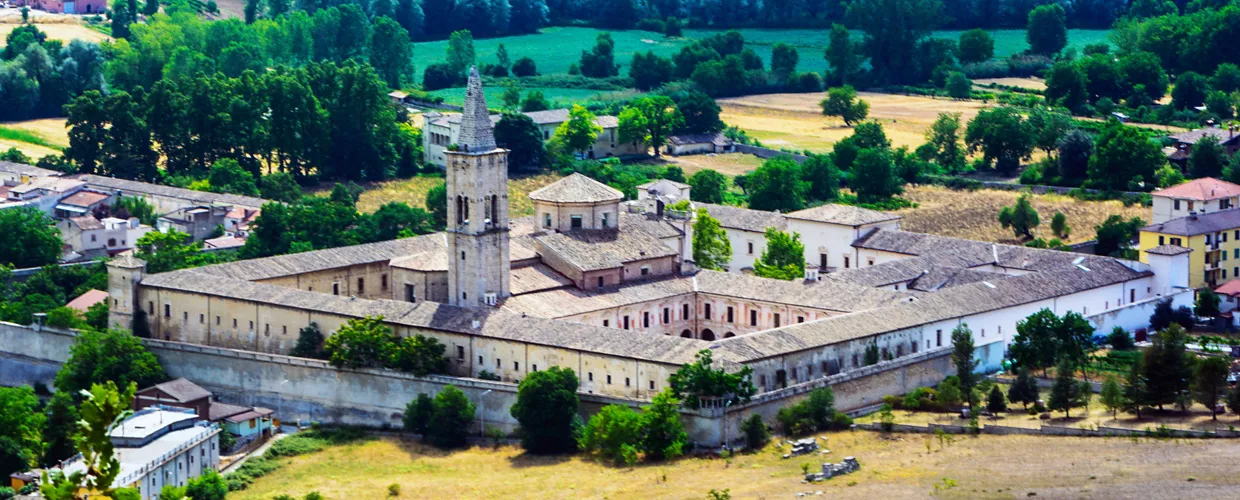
x=477 y=135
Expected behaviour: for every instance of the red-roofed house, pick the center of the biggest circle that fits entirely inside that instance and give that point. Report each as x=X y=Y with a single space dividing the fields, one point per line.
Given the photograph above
x=1203 y=195
x=85 y=300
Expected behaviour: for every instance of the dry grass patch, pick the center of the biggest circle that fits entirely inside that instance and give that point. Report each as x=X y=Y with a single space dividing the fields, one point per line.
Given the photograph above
x=413 y=192
x=1024 y=83
x=52 y=130
x=729 y=164
x=974 y=214
x=1197 y=417
x=891 y=467
x=65 y=31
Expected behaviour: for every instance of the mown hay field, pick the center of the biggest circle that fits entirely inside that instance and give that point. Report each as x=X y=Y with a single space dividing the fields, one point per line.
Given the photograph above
x=974 y=214
x=35 y=138
x=64 y=31
x=795 y=120
x=900 y=466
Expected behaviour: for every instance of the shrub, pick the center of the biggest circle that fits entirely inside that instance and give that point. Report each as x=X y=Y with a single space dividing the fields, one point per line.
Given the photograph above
x=393 y=490
x=757 y=434
x=524 y=66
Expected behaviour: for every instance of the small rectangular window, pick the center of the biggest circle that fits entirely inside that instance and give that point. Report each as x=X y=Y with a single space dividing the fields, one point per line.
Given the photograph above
x=750 y=248
x=667 y=315
x=516 y=365
x=234 y=322
x=590 y=376
x=626 y=322
x=167 y=310
x=217 y=320
x=480 y=360
x=609 y=380
x=601 y=282
x=626 y=382
x=533 y=368
x=361 y=286
x=753 y=317
x=652 y=385
x=938 y=338
x=574 y=221
x=730 y=320
x=800 y=319
x=383 y=284
x=460 y=352
x=645 y=320
x=606 y=322
x=777 y=320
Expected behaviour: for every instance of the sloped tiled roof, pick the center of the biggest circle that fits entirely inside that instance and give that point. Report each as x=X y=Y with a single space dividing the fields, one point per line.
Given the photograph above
x=86 y=222
x=577 y=188
x=1193 y=136
x=846 y=215
x=1203 y=189
x=491 y=323
x=745 y=219
x=1168 y=250
x=182 y=390
x=1192 y=225
x=593 y=250
x=536 y=278
x=28 y=170
x=109 y=184
x=87 y=299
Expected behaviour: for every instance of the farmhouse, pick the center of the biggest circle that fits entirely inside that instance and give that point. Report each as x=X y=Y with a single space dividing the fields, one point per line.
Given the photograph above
x=1198 y=196
x=1228 y=138
x=609 y=289
x=688 y=144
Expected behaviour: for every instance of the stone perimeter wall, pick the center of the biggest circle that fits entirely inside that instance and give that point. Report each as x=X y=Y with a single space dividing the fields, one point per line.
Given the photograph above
x=311 y=390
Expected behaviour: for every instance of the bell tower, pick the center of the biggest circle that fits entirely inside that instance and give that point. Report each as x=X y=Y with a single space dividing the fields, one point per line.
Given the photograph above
x=477 y=178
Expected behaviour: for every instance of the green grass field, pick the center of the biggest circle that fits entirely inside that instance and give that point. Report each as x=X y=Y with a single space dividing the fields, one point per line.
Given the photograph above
x=561 y=97
x=557 y=47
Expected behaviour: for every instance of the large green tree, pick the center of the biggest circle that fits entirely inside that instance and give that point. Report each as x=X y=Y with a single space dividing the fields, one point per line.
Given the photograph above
x=976 y=45
x=1168 y=366
x=546 y=408
x=708 y=186
x=711 y=247
x=518 y=133
x=697 y=380
x=944 y=137
x=579 y=131
x=650 y=121
x=783 y=258
x=777 y=185
x=391 y=52
x=360 y=343
x=21 y=429
x=31 y=238
x=843 y=102
x=1124 y=158
x=1003 y=137
x=109 y=355
x=874 y=178
x=893 y=29
x=1047 y=29
x=103 y=407
x=452 y=414
x=962 y=359
x=664 y=436
x=1210 y=383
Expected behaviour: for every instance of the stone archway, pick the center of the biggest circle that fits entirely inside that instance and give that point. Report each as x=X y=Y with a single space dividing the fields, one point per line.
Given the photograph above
x=686 y=334
x=729 y=335
x=708 y=335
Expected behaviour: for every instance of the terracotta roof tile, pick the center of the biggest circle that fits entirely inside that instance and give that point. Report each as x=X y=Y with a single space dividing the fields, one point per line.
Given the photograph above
x=1205 y=188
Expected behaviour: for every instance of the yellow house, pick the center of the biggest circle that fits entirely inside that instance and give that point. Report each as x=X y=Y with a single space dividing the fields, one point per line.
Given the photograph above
x=1214 y=239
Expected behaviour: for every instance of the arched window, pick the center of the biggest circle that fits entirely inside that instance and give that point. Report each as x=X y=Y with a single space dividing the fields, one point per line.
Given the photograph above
x=686 y=334
x=494 y=208
x=729 y=335
x=708 y=335
x=466 y=209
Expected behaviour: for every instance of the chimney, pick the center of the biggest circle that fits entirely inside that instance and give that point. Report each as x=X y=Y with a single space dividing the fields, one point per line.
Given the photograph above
x=1192 y=215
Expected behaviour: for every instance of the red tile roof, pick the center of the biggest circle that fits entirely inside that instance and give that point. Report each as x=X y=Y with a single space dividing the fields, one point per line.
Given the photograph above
x=90 y=298
x=1231 y=288
x=1205 y=188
